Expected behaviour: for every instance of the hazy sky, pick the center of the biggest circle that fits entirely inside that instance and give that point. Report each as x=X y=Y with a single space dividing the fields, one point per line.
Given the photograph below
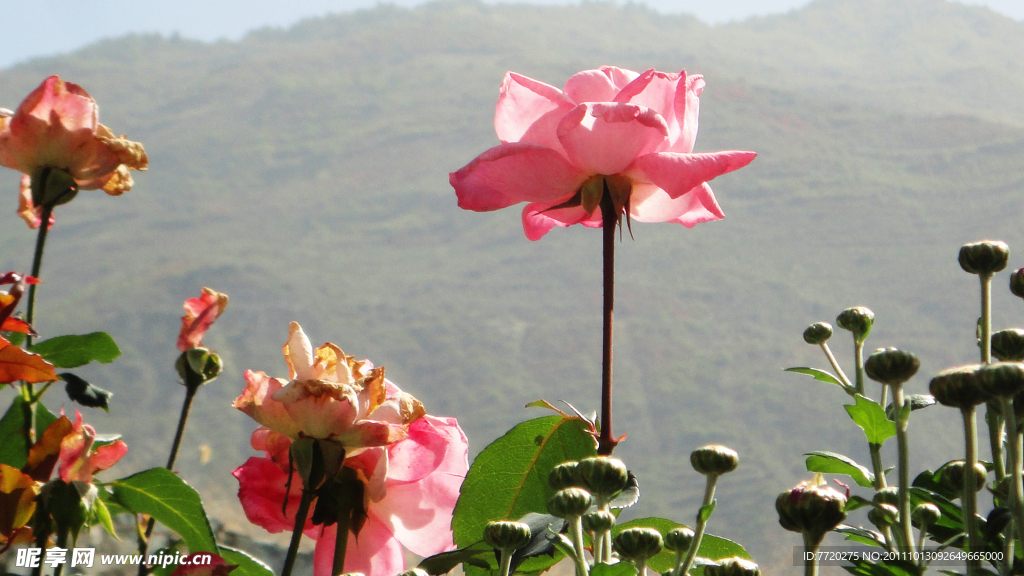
x=48 y=27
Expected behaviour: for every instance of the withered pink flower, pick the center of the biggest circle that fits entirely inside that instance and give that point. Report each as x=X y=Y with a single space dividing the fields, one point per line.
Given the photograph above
x=200 y=314
x=78 y=460
x=57 y=126
x=609 y=128
x=329 y=396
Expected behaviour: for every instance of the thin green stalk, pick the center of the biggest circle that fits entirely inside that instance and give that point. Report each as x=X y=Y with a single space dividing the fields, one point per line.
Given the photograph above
x=29 y=408
x=1016 y=461
x=506 y=562
x=858 y=355
x=300 y=522
x=876 y=465
x=969 y=497
x=810 y=560
x=903 y=448
x=835 y=365
x=885 y=395
x=576 y=531
x=995 y=420
x=709 y=497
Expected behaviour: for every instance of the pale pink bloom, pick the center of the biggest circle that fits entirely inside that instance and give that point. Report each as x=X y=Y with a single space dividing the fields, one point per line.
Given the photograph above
x=57 y=126
x=411 y=489
x=197 y=565
x=29 y=212
x=200 y=314
x=329 y=396
x=638 y=129
x=78 y=460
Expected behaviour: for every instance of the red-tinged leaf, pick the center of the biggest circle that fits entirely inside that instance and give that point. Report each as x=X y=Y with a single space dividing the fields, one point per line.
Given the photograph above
x=16 y=364
x=17 y=325
x=43 y=455
x=12 y=278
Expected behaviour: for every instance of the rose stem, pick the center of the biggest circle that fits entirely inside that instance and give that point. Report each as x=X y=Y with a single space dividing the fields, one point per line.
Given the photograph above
x=300 y=522
x=609 y=217
x=29 y=407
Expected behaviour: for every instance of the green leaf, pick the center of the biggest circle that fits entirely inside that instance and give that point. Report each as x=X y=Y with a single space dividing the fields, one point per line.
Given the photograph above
x=509 y=478
x=13 y=451
x=620 y=569
x=101 y=515
x=247 y=565
x=175 y=504
x=862 y=535
x=871 y=418
x=711 y=547
x=707 y=510
x=85 y=393
x=478 y=554
x=73 y=351
x=832 y=463
x=819 y=375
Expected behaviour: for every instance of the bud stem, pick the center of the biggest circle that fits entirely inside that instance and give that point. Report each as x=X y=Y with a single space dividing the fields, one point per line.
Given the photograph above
x=810 y=556
x=576 y=528
x=300 y=522
x=903 y=447
x=876 y=463
x=691 y=554
x=506 y=562
x=1016 y=458
x=992 y=416
x=858 y=356
x=606 y=443
x=835 y=365
x=969 y=497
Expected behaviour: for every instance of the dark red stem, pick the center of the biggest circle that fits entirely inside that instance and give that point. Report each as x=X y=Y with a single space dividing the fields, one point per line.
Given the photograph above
x=606 y=442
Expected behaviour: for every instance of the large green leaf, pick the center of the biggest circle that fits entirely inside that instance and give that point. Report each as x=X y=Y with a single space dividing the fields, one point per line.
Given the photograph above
x=832 y=463
x=161 y=494
x=73 y=351
x=711 y=547
x=247 y=565
x=871 y=418
x=509 y=478
x=13 y=450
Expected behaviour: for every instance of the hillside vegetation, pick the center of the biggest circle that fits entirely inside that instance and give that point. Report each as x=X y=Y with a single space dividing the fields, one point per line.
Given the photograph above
x=304 y=172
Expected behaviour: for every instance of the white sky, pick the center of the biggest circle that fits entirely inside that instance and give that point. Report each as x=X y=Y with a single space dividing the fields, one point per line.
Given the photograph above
x=49 y=27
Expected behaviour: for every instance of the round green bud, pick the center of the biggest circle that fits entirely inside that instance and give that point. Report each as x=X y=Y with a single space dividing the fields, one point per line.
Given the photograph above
x=734 y=566
x=857 y=320
x=959 y=387
x=1002 y=379
x=570 y=503
x=883 y=515
x=1017 y=283
x=638 y=544
x=811 y=509
x=197 y=366
x=563 y=475
x=953 y=476
x=888 y=495
x=598 y=521
x=891 y=366
x=679 y=539
x=714 y=460
x=926 y=514
x=602 y=475
x=1008 y=345
x=507 y=536
x=984 y=258
x=818 y=333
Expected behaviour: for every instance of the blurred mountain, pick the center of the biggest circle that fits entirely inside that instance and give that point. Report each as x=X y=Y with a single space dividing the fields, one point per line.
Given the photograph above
x=304 y=172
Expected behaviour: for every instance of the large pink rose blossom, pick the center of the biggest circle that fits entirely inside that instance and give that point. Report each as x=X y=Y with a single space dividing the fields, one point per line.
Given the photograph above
x=330 y=396
x=57 y=126
x=200 y=314
x=411 y=489
x=633 y=133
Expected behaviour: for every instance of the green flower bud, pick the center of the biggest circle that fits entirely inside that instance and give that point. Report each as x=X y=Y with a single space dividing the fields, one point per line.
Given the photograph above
x=602 y=475
x=734 y=566
x=818 y=333
x=984 y=258
x=883 y=515
x=638 y=544
x=891 y=366
x=679 y=539
x=714 y=459
x=857 y=320
x=926 y=514
x=811 y=508
x=953 y=476
x=598 y=521
x=53 y=186
x=1002 y=379
x=564 y=475
x=959 y=387
x=507 y=536
x=1008 y=345
x=1017 y=283
x=570 y=503
x=197 y=366
x=888 y=495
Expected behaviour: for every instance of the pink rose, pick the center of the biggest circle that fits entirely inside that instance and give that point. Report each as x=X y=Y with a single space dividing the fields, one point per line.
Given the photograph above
x=78 y=460
x=632 y=133
x=200 y=314
x=56 y=126
x=330 y=396
x=411 y=489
